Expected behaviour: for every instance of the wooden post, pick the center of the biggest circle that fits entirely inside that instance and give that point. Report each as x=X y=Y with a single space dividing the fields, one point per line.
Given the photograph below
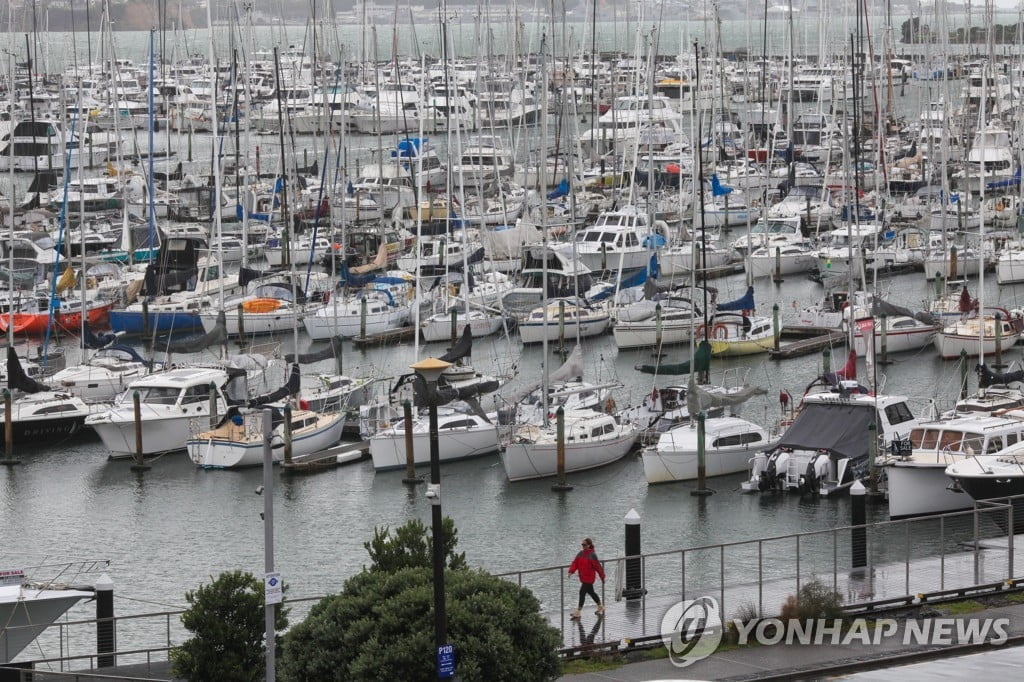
x=658 y=328
x=241 y=324
x=952 y=262
x=140 y=462
x=885 y=339
x=561 y=325
x=213 y=404
x=145 y=318
x=8 y=431
x=999 y=339
x=963 y=374
x=288 y=434
x=775 y=325
x=826 y=361
x=778 y=266
x=702 y=488
x=872 y=458
x=560 y=485
x=604 y=255
x=410 y=456
x=362 y=317
x=455 y=325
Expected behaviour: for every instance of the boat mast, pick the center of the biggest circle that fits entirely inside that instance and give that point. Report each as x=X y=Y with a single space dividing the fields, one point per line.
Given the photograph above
x=217 y=187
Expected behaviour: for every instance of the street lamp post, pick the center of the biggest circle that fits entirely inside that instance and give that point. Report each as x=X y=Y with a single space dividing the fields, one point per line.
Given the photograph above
x=430 y=371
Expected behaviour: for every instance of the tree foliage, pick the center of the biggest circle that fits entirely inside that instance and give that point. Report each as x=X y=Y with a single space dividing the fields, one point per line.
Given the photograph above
x=227 y=620
x=381 y=626
x=412 y=547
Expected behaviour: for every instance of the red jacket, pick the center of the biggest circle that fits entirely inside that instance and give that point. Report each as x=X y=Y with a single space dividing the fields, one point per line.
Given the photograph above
x=587 y=564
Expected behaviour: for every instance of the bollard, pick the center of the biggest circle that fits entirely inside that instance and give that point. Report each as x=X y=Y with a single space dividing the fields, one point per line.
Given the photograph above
x=826 y=361
x=560 y=486
x=8 y=431
x=362 y=317
x=213 y=404
x=884 y=340
x=241 y=324
x=775 y=326
x=140 y=463
x=963 y=374
x=634 y=588
x=410 y=457
x=859 y=531
x=287 y=434
x=105 y=639
x=702 y=489
x=778 y=266
x=999 y=339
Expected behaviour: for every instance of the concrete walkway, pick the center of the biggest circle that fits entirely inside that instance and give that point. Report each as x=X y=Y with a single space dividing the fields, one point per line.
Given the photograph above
x=796 y=661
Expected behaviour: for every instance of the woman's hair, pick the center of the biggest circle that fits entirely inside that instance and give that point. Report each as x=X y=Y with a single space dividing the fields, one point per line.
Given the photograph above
x=588 y=542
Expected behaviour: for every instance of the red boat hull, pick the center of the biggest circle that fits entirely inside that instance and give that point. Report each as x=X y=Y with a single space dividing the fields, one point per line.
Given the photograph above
x=34 y=324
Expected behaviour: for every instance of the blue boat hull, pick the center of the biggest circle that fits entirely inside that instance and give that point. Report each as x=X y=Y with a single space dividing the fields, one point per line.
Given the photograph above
x=130 y=322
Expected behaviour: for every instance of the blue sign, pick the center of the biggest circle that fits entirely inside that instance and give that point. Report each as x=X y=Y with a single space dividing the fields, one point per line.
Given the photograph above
x=445 y=662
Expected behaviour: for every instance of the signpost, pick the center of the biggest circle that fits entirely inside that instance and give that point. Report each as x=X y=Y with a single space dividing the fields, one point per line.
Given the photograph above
x=272 y=588
x=445 y=662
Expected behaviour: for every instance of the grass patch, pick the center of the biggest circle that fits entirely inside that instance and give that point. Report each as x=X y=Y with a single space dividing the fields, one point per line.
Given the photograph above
x=595 y=664
x=1016 y=597
x=961 y=608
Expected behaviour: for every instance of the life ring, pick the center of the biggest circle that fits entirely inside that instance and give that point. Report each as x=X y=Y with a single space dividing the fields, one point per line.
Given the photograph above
x=720 y=331
x=701 y=329
x=261 y=305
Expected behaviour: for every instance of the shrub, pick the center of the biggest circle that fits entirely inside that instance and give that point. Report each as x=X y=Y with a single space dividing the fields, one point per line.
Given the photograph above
x=815 y=600
x=227 y=619
x=381 y=626
x=412 y=547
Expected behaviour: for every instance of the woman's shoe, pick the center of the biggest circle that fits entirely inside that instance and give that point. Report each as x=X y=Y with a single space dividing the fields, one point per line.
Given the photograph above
x=600 y=610
x=575 y=615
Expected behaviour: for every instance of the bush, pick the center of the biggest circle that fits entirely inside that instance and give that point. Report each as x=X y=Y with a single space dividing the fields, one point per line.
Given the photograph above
x=815 y=600
x=381 y=626
x=227 y=619
x=412 y=547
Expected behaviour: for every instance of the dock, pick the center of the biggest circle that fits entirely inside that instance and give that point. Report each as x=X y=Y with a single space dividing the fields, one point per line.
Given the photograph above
x=384 y=338
x=345 y=452
x=808 y=345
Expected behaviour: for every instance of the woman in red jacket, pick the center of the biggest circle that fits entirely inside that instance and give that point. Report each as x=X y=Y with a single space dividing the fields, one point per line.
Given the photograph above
x=589 y=567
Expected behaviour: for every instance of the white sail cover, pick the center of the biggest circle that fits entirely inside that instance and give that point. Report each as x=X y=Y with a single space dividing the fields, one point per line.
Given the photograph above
x=571 y=368
x=699 y=400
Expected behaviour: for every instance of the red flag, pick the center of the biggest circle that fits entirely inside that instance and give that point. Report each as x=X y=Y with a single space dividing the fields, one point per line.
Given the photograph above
x=850 y=371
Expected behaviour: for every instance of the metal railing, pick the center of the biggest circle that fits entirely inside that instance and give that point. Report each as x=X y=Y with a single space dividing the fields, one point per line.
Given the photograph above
x=907 y=561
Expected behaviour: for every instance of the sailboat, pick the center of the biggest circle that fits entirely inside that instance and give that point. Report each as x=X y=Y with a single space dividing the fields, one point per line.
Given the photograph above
x=592 y=438
x=730 y=441
x=38 y=413
x=464 y=430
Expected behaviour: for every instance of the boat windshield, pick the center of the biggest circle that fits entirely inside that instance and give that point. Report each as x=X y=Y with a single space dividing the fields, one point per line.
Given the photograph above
x=159 y=395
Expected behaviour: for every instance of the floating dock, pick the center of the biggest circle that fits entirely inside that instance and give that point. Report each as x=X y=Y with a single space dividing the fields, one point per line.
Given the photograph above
x=345 y=452
x=808 y=345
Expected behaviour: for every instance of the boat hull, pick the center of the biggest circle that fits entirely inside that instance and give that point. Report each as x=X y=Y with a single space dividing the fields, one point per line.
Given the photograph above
x=918 y=488
x=35 y=324
x=525 y=461
x=387 y=449
x=213 y=453
x=536 y=332
x=132 y=322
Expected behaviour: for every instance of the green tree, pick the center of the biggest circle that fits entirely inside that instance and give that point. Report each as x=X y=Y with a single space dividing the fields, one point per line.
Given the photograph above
x=411 y=547
x=227 y=620
x=381 y=626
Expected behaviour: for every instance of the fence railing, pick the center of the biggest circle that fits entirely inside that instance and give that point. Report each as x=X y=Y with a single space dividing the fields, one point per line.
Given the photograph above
x=902 y=561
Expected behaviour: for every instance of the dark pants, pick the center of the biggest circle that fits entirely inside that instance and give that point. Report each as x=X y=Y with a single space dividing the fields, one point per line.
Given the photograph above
x=585 y=589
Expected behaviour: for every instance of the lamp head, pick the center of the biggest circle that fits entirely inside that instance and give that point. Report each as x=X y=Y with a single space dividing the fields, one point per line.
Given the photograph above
x=430 y=369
